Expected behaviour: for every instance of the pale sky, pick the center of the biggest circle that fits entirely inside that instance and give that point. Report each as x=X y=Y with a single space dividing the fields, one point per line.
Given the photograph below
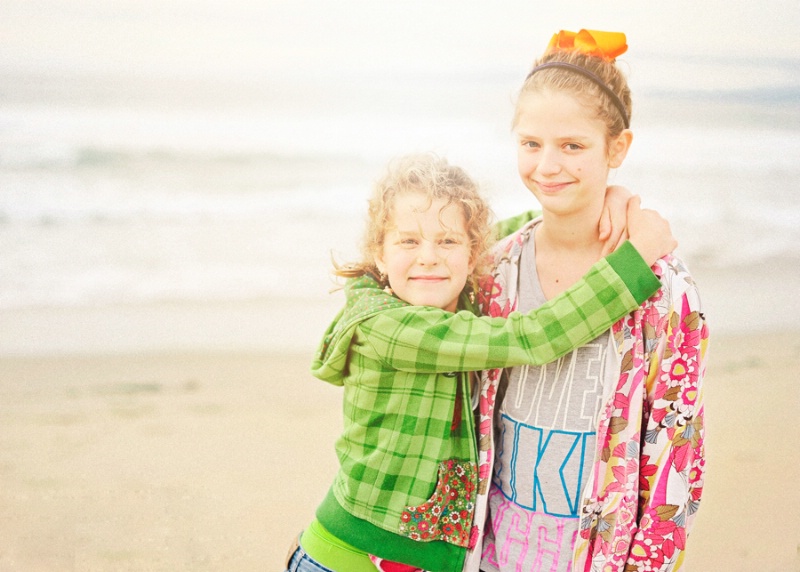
x=196 y=38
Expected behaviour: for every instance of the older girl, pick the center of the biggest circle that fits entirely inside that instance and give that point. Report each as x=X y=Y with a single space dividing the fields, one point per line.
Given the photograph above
x=599 y=457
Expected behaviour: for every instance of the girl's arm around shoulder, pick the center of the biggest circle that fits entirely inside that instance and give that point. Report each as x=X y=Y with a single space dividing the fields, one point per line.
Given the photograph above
x=426 y=339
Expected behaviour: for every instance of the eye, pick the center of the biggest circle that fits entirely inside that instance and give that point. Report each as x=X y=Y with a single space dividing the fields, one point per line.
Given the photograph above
x=450 y=241
x=408 y=241
x=573 y=147
x=530 y=144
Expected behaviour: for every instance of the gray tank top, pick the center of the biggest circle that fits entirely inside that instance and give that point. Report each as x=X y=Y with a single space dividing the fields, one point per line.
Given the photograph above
x=545 y=433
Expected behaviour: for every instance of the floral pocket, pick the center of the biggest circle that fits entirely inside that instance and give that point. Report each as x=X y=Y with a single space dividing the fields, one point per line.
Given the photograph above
x=448 y=513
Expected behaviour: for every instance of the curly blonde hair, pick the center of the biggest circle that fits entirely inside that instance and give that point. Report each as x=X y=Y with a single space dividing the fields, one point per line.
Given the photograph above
x=433 y=177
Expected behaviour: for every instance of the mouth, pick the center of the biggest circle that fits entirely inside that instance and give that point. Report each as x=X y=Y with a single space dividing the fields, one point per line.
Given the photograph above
x=551 y=188
x=428 y=279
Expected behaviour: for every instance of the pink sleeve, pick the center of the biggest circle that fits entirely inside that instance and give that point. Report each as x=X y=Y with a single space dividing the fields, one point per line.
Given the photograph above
x=672 y=460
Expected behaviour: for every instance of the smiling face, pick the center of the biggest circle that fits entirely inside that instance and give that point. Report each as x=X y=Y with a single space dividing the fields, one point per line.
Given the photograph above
x=426 y=252
x=563 y=153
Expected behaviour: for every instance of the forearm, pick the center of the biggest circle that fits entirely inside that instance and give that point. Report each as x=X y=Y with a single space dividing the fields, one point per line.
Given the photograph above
x=612 y=288
x=429 y=340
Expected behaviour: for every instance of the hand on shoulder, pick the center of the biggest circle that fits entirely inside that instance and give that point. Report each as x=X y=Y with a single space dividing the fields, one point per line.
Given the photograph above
x=649 y=232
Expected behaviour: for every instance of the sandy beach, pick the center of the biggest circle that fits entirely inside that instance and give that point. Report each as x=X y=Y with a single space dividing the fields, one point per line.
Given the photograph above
x=190 y=461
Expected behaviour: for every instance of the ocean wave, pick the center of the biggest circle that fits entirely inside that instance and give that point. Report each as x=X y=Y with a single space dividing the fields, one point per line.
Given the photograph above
x=79 y=157
x=286 y=205
x=110 y=206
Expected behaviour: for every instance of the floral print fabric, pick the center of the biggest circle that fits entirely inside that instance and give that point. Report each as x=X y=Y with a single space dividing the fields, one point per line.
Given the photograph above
x=448 y=513
x=647 y=477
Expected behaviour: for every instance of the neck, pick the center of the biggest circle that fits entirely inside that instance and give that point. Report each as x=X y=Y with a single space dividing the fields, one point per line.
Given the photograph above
x=576 y=233
x=566 y=247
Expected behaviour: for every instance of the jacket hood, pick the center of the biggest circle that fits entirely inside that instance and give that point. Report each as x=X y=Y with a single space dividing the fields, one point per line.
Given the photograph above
x=364 y=298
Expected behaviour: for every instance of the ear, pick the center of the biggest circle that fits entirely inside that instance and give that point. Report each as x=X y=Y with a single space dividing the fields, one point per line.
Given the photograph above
x=618 y=148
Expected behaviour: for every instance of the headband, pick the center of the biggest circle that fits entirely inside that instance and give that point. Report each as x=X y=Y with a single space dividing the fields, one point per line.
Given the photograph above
x=596 y=79
x=604 y=45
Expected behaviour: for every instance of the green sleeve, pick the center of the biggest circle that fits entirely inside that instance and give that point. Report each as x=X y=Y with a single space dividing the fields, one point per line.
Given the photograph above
x=426 y=339
x=634 y=271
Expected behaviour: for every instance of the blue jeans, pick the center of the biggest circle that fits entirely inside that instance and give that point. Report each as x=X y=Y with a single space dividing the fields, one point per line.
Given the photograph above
x=302 y=562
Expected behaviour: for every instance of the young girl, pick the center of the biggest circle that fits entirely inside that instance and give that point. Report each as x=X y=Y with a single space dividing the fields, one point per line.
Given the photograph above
x=599 y=458
x=408 y=477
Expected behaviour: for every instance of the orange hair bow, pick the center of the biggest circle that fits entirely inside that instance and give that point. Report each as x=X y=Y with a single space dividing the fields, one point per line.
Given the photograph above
x=606 y=45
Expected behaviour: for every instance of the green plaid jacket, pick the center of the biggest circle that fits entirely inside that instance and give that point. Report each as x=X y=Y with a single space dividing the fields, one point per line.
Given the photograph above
x=407 y=408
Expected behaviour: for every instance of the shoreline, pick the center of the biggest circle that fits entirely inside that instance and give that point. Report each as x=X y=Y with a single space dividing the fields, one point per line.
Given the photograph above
x=753 y=299
x=215 y=460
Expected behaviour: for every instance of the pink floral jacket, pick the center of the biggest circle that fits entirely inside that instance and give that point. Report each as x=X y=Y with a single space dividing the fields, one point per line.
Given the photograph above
x=647 y=476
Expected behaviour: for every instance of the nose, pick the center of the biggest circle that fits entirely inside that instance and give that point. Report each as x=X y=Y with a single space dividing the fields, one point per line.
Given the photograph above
x=549 y=162
x=427 y=253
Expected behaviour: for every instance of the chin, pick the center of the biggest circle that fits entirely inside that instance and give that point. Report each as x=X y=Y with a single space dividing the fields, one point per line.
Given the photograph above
x=436 y=304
